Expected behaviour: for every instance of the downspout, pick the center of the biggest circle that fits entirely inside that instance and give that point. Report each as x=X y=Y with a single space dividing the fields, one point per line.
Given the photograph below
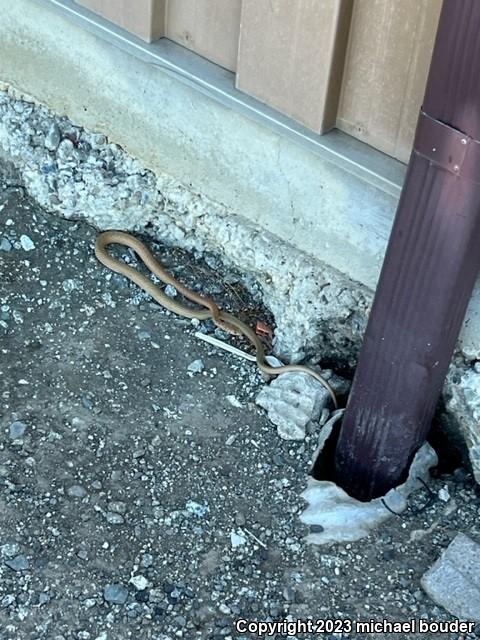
x=429 y=271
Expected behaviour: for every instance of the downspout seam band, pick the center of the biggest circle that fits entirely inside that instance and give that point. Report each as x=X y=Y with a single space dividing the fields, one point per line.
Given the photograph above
x=447 y=148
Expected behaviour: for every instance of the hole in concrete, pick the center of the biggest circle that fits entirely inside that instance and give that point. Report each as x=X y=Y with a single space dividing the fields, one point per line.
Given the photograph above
x=451 y=453
x=324 y=465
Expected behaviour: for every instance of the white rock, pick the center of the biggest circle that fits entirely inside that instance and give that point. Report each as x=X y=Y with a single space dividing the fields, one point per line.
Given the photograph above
x=237 y=540
x=27 y=243
x=196 y=366
x=139 y=582
x=196 y=509
x=234 y=402
x=293 y=400
x=444 y=494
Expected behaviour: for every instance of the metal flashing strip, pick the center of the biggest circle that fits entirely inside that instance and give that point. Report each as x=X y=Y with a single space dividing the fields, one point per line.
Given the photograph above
x=356 y=157
x=448 y=147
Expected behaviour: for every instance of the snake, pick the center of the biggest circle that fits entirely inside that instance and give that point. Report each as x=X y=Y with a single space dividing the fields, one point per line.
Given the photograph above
x=209 y=309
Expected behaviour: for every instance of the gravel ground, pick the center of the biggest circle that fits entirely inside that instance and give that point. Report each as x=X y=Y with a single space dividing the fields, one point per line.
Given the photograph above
x=145 y=497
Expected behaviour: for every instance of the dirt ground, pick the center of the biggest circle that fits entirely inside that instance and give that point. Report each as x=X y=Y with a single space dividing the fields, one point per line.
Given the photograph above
x=140 y=499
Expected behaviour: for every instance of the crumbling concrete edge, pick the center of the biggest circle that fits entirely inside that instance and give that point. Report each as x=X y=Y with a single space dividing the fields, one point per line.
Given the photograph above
x=341 y=518
x=81 y=175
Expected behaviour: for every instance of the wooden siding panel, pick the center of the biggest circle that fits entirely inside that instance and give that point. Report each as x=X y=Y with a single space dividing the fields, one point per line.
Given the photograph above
x=291 y=56
x=388 y=58
x=144 y=18
x=208 y=27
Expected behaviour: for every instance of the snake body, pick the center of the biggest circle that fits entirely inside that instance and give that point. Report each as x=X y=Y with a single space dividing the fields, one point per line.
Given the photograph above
x=210 y=310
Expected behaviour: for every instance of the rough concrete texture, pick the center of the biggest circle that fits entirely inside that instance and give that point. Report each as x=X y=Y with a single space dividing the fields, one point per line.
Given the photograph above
x=292 y=401
x=141 y=500
x=462 y=397
x=454 y=580
x=81 y=175
x=341 y=518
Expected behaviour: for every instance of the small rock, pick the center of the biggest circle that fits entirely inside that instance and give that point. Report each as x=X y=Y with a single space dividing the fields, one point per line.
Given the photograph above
x=289 y=595
x=76 y=491
x=278 y=460
x=5 y=245
x=444 y=494
x=139 y=582
x=196 y=366
x=237 y=540
x=453 y=582
x=17 y=430
x=142 y=596
x=293 y=400
x=234 y=402
x=9 y=550
x=115 y=593
x=19 y=563
x=196 y=509
x=114 y=518
x=117 y=507
x=53 y=137
x=7 y=600
x=26 y=243
x=316 y=528
x=170 y=291
x=240 y=519
x=70 y=284
x=147 y=560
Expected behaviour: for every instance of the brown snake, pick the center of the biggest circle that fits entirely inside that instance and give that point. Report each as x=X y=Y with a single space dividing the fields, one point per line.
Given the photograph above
x=224 y=320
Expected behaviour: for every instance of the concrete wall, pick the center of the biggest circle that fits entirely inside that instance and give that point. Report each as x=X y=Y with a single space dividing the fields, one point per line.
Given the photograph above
x=289 y=191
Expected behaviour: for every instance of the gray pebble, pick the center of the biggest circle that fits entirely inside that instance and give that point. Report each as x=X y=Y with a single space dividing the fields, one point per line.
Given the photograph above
x=170 y=291
x=5 y=245
x=53 y=137
x=9 y=550
x=117 y=507
x=17 y=430
x=147 y=560
x=19 y=563
x=316 y=528
x=289 y=594
x=240 y=519
x=76 y=491
x=70 y=284
x=114 y=518
x=7 y=600
x=115 y=593
x=196 y=366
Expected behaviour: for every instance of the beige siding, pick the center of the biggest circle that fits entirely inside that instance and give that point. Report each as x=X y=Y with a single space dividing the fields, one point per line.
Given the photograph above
x=388 y=57
x=144 y=18
x=291 y=56
x=208 y=27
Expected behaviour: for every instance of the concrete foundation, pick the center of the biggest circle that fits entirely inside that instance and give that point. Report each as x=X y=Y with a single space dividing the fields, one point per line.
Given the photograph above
x=193 y=172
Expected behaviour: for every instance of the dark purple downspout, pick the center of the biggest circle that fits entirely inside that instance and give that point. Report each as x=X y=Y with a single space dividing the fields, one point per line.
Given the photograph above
x=430 y=267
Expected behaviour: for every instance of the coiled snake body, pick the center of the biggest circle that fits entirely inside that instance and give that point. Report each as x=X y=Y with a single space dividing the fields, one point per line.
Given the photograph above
x=210 y=310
